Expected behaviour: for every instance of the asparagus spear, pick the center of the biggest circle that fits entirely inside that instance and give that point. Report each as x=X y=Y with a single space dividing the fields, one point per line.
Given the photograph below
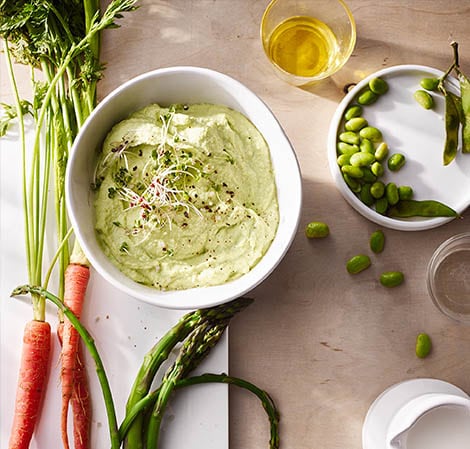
x=194 y=349
x=160 y=352
x=267 y=402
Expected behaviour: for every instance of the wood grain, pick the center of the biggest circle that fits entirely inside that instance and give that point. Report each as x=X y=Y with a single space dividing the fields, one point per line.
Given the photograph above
x=323 y=344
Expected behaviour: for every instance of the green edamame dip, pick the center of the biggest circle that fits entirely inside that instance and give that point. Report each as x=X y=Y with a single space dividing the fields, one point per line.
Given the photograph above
x=185 y=196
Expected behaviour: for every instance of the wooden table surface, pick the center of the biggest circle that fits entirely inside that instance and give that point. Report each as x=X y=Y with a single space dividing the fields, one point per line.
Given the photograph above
x=323 y=344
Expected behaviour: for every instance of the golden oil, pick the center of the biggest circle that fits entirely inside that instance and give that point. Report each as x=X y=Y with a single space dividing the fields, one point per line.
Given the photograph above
x=303 y=46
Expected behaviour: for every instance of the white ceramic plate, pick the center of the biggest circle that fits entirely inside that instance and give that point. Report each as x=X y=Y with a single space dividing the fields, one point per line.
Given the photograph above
x=416 y=132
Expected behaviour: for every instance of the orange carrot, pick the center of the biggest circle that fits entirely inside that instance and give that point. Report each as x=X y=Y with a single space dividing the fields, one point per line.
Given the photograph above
x=31 y=382
x=75 y=283
x=81 y=399
x=81 y=404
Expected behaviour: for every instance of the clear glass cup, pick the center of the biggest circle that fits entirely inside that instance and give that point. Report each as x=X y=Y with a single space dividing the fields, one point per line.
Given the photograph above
x=448 y=278
x=307 y=40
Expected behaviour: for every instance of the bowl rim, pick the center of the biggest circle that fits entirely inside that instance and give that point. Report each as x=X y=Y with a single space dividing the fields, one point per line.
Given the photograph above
x=444 y=249
x=418 y=224
x=299 y=79
x=217 y=294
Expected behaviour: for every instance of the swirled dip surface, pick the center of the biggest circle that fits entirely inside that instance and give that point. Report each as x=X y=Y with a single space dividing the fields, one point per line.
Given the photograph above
x=185 y=196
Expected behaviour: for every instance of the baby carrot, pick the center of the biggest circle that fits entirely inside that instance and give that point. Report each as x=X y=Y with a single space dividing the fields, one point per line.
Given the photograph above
x=81 y=404
x=31 y=382
x=75 y=282
x=80 y=400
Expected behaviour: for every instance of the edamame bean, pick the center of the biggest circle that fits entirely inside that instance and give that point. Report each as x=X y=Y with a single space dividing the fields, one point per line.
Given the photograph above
x=361 y=159
x=317 y=230
x=368 y=175
x=347 y=148
x=391 y=278
x=358 y=263
x=423 y=345
x=377 y=169
x=405 y=192
x=350 y=137
x=391 y=192
x=354 y=172
x=381 y=151
x=355 y=124
x=429 y=83
x=371 y=133
x=343 y=159
x=396 y=161
x=353 y=111
x=378 y=86
x=424 y=99
x=367 y=146
x=377 y=189
x=367 y=97
x=352 y=183
x=377 y=241
x=381 y=205
x=365 y=195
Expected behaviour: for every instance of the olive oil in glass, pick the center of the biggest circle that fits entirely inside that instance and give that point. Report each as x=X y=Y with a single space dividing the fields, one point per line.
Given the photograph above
x=303 y=46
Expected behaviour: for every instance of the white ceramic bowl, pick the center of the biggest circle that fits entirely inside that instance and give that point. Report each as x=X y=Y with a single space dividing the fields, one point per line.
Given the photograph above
x=417 y=133
x=181 y=85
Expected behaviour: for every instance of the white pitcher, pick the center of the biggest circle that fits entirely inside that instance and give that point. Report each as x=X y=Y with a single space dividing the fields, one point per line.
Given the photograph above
x=419 y=414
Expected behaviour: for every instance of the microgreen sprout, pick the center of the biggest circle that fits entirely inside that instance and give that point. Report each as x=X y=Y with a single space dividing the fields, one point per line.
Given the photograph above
x=157 y=189
x=116 y=154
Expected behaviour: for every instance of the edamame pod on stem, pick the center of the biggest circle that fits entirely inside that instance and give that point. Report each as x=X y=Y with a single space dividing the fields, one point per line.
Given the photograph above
x=452 y=123
x=424 y=208
x=465 y=109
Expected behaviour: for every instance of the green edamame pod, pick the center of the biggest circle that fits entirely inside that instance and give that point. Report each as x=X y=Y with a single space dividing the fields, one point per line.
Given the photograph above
x=391 y=192
x=354 y=172
x=365 y=195
x=350 y=137
x=381 y=151
x=353 y=111
x=391 y=278
x=346 y=148
x=367 y=97
x=367 y=146
x=381 y=205
x=405 y=192
x=396 y=161
x=361 y=159
x=377 y=241
x=378 y=86
x=355 y=124
x=424 y=208
x=424 y=99
x=452 y=124
x=371 y=133
x=377 y=189
x=358 y=263
x=429 y=83
x=465 y=108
